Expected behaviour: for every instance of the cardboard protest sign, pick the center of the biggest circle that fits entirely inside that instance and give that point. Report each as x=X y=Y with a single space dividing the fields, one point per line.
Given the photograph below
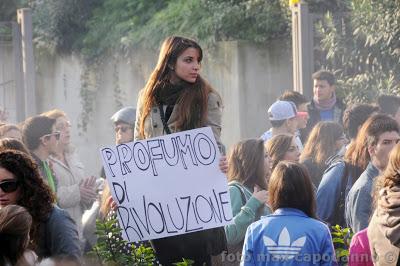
x=168 y=185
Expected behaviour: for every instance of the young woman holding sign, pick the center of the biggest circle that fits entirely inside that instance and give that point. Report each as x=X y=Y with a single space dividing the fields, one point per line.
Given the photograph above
x=177 y=98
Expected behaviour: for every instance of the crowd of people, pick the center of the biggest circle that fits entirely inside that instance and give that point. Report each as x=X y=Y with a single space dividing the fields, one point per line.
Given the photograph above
x=319 y=165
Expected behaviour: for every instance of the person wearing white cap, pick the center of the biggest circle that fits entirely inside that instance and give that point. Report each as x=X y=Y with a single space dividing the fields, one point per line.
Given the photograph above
x=282 y=115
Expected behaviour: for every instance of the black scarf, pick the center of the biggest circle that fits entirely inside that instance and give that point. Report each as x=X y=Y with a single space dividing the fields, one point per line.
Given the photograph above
x=169 y=94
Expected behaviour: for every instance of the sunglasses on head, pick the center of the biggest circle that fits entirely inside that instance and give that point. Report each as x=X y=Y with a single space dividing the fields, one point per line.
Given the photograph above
x=302 y=114
x=56 y=134
x=9 y=186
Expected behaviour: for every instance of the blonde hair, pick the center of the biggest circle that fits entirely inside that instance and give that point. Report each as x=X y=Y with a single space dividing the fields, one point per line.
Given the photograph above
x=54 y=113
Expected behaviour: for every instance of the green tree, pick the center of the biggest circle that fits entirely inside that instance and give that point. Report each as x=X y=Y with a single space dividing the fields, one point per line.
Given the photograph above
x=122 y=24
x=362 y=47
x=8 y=9
x=114 y=21
x=61 y=25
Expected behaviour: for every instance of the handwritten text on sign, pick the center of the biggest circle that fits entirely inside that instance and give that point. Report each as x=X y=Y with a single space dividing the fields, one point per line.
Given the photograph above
x=168 y=186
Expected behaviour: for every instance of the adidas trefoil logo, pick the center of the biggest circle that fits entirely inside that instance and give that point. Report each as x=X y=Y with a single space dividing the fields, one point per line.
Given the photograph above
x=284 y=250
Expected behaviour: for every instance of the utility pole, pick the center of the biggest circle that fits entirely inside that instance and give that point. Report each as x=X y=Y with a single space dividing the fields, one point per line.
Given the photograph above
x=303 y=44
x=24 y=16
x=18 y=73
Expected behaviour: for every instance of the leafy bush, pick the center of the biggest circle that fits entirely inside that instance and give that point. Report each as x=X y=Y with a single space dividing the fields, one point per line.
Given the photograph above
x=341 y=241
x=113 y=250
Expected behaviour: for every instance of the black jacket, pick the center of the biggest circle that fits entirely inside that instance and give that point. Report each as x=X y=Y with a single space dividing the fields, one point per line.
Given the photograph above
x=315 y=117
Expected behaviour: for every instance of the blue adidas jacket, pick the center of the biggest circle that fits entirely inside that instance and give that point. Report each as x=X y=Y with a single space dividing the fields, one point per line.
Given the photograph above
x=288 y=237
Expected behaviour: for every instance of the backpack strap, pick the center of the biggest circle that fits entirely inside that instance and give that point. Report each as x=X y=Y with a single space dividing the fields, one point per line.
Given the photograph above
x=242 y=195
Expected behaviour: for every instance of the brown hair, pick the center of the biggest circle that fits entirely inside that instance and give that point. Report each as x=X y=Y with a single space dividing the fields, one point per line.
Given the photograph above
x=389 y=104
x=246 y=163
x=391 y=175
x=34 y=128
x=357 y=154
x=15 y=224
x=13 y=144
x=354 y=117
x=321 y=144
x=324 y=75
x=55 y=113
x=277 y=147
x=290 y=187
x=293 y=96
x=4 y=128
x=192 y=102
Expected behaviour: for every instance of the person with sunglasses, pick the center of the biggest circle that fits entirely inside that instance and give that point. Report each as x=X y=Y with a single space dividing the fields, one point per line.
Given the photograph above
x=76 y=191
x=53 y=233
x=124 y=124
x=41 y=137
x=283 y=118
x=302 y=113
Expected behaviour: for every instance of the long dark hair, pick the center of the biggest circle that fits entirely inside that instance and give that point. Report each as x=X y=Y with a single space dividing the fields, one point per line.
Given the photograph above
x=290 y=187
x=246 y=163
x=35 y=195
x=15 y=223
x=321 y=143
x=192 y=103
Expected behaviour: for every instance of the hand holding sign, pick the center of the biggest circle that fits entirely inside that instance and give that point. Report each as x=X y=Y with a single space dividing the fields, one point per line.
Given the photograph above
x=223 y=164
x=168 y=185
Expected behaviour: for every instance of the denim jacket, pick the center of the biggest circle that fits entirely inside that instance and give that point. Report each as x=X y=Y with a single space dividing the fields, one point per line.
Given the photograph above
x=58 y=236
x=328 y=192
x=359 y=200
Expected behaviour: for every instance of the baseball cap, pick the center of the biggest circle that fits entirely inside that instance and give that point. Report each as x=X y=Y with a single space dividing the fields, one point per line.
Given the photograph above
x=282 y=110
x=125 y=115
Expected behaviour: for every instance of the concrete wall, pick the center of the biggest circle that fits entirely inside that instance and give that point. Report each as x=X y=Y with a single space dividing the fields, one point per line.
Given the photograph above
x=249 y=78
x=7 y=80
